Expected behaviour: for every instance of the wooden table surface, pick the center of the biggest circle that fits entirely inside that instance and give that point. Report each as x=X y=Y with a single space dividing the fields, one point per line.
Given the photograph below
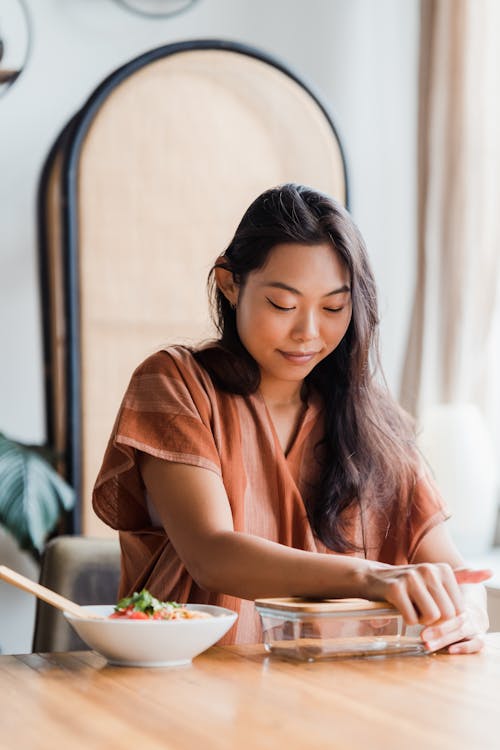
x=238 y=697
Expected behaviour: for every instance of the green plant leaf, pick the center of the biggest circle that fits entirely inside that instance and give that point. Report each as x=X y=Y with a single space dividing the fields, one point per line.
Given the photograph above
x=32 y=495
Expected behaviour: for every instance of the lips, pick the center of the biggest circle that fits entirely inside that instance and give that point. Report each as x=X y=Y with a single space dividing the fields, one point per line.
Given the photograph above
x=298 y=358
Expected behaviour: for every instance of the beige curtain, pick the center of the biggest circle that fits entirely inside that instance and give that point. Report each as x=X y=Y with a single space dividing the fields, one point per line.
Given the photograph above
x=451 y=373
x=454 y=341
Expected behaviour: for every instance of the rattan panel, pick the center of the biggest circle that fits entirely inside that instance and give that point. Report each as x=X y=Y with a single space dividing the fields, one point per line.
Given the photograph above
x=172 y=157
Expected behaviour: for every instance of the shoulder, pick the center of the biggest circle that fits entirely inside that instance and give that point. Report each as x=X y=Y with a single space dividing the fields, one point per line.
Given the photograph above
x=177 y=362
x=170 y=359
x=174 y=375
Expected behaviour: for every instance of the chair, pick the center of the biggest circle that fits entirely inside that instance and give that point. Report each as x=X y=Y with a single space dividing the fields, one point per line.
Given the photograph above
x=83 y=569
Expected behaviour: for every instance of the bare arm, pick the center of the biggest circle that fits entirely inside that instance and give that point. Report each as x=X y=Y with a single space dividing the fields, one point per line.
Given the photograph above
x=193 y=507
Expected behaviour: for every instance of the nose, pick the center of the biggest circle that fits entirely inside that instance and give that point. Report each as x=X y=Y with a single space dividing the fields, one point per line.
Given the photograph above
x=306 y=327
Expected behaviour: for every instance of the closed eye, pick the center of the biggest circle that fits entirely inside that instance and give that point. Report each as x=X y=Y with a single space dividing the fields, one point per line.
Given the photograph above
x=279 y=307
x=334 y=309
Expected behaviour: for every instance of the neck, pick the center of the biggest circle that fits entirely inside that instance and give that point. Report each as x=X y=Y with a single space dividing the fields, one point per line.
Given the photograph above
x=279 y=397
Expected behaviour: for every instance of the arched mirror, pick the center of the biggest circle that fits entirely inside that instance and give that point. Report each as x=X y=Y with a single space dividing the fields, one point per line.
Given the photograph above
x=14 y=41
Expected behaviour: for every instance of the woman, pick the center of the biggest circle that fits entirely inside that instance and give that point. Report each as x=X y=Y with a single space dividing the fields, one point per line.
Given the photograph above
x=272 y=462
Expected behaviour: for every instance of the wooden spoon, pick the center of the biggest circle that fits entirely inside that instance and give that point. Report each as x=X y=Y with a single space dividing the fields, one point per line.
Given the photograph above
x=49 y=596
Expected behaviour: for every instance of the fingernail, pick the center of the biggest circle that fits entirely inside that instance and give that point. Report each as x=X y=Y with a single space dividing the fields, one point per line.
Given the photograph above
x=432 y=645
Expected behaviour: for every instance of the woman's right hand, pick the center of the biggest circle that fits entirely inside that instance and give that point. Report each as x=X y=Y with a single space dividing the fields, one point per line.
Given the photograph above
x=424 y=593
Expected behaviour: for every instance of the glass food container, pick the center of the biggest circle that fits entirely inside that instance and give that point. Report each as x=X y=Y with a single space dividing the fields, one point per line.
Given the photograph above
x=309 y=630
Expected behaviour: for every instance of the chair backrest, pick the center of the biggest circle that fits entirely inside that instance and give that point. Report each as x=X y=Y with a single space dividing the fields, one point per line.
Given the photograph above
x=80 y=568
x=140 y=195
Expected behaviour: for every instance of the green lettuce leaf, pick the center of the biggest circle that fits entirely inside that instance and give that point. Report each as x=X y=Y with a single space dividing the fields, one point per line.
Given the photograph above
x=143 y=601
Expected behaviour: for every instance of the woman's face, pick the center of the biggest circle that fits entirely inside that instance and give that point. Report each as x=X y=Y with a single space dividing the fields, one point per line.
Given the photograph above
x=292 y=313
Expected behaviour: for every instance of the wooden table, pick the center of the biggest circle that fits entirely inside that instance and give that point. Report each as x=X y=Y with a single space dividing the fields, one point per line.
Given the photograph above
x=237 y=697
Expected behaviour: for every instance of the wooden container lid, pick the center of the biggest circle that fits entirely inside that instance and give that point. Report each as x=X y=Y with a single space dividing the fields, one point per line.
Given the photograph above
x=326 y=606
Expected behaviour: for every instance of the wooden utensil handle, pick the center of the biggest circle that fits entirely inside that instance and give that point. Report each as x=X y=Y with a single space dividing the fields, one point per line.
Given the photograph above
x=41 y=592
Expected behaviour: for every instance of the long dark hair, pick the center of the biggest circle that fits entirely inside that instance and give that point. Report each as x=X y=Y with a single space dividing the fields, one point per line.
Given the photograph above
x=368 y=447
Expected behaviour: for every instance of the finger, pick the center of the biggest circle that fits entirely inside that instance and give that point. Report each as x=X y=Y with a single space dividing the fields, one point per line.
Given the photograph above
x=397 y=595
x=464 y=627
x=452 y=588
x=379 y=623
x=431 y=605
x=434 y=632
x=468 y=646
x=445 y=635
x=468 y=575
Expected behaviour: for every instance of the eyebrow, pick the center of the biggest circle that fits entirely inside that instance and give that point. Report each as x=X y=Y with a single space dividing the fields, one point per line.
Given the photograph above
x=286 y=287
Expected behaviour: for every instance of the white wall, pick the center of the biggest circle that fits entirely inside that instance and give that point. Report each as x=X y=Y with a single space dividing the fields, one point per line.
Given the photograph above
x=360 y=55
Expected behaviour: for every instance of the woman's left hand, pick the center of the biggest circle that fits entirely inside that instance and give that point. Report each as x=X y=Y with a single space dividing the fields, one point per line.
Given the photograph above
x=459 y=635
x=462 y=634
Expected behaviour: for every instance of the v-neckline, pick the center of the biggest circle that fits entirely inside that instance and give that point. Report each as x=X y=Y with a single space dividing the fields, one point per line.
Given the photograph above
x=309 y=407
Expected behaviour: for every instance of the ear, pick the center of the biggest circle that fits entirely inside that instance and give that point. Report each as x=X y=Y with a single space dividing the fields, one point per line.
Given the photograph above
x=226 y=283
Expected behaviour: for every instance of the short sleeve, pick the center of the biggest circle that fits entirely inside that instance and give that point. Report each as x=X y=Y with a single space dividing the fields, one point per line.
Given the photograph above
x=167 y=413
x=398 y=533
x=427 y=509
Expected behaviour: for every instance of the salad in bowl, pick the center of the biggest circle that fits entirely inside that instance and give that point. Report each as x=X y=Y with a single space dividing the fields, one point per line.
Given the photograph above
x=142 y=631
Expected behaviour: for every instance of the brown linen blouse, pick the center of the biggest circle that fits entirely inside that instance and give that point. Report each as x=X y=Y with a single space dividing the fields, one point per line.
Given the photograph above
x=172 y=410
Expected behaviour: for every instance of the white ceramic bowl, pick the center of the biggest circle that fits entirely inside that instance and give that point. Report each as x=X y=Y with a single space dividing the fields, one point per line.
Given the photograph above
x=157 y=643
